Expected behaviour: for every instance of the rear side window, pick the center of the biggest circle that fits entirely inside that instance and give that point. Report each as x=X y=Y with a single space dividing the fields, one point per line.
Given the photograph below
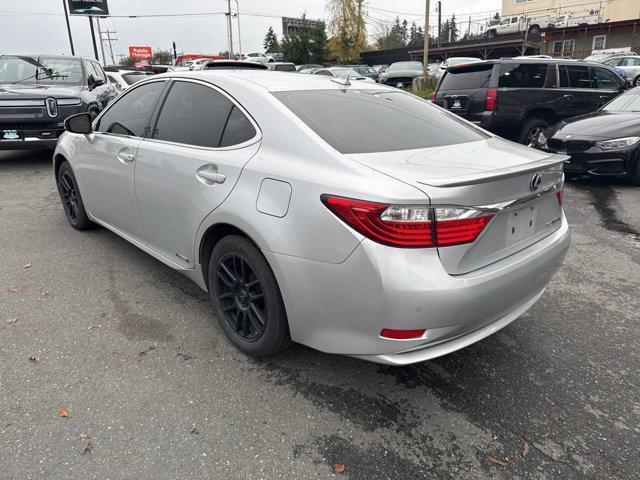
x=363 y=121
x=193 y=114
x=575 y=76
x=238 y=130
x=131 y=113
x=606 y=80
x=285 y=68
x=524 y=75
x=468 y=78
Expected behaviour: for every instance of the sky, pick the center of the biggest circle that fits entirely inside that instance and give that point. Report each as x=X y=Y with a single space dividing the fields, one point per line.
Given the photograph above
x=38 y=26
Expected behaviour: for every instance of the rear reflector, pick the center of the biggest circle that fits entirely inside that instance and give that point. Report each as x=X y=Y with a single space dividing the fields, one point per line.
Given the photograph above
x=401 y=334
x=560 y=196
x=492 y=99
x=410 y=226
x=433 y=97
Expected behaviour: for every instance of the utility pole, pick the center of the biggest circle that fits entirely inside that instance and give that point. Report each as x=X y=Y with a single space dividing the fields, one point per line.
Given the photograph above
x=239 y=34
x=230 y=28
x=175 y=54
x=425 y=61
x=66 y=16
x=93 y=38
x=439 y=21
x=110 y=40
x=104 y=59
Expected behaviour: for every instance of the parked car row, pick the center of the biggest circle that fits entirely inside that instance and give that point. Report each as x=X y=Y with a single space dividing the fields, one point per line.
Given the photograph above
x=531 y=101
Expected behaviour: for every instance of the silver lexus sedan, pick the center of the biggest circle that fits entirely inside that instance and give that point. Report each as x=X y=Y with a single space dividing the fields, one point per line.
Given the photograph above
x=350 y=217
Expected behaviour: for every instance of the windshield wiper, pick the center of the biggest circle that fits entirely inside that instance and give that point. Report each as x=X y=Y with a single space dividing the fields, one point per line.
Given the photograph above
x=48 y=75
x=38 y=65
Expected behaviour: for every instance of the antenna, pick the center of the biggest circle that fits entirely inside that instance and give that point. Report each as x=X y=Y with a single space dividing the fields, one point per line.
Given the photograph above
x=345 y=82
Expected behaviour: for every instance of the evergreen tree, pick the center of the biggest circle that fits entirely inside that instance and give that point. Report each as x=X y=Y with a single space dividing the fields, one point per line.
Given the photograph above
x=271 y=41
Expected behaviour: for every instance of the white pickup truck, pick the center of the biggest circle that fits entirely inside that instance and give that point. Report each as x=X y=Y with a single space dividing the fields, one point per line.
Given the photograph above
x=519 y=23
x=575 y=21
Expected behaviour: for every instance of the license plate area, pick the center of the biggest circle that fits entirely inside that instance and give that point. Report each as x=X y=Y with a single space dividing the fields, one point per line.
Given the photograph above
x=521 y=224
x=11 y=135
x=456 y=103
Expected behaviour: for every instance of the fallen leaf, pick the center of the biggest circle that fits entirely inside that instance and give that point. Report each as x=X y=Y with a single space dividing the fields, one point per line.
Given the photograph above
x=141 y=354
x=194 y=429
x=27 y=265
x=63 y=412
x=497 y=461
x=94 y=326
x=87 y=448
x=338 y=468
x=83 y=436
x=12 y=320
x=34 y=359
x=525 y=449
x=17 y=288
x=44 y=294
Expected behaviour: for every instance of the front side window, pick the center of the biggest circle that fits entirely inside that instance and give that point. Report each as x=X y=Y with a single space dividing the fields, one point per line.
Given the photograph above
x=198 y=115
x=524 y=75
x=131 y=113
x=365 y=121
x=575 y=76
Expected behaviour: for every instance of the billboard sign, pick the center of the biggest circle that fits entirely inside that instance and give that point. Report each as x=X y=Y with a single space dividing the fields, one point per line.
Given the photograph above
x=89 y=7
x=141 y=53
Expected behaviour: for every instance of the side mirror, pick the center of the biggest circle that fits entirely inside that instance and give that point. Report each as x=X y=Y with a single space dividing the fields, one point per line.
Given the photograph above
x=80 y=123
x=94 y=82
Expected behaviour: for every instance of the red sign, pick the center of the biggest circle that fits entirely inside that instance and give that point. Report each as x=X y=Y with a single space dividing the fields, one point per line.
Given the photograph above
x=141 y=53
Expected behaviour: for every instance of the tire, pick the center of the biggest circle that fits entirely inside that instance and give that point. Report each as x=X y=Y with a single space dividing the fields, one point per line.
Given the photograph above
x=94 y=114
x=491 y=33
x=634 y=177
x=246 y=298
x=71 y=199
x=636 y=82
x=530 y=130
x=534 y=30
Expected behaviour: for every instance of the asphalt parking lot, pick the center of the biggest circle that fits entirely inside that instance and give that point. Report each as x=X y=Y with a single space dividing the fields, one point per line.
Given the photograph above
x=93 y=327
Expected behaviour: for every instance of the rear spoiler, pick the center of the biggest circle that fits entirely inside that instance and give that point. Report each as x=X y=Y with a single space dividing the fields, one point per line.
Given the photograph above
x=477 y=178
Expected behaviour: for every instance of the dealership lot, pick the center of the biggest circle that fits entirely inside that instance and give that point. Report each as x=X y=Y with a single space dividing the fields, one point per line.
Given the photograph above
x=91 y=325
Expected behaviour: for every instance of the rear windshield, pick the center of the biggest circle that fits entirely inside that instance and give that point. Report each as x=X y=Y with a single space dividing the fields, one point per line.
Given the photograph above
x=523 y=75
x=473 y=77
x=366 y=121
x=131 y=78
x=285 y=68
x=405 y=66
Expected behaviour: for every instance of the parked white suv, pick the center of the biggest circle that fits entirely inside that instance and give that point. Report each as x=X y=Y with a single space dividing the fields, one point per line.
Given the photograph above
x=256 y=57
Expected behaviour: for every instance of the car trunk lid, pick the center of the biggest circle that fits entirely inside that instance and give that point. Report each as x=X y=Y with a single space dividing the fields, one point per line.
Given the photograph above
x=491 y=174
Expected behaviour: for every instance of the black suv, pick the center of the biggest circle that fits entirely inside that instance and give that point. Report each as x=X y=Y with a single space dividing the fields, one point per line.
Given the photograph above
x=518 y=99
x=37 y=93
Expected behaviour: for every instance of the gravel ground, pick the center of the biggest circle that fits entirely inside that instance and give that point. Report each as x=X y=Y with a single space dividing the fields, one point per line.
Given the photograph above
x=131 y=351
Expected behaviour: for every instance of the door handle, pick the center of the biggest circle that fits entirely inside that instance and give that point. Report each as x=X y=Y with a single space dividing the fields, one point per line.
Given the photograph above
x=208 y=177
x=124 y=156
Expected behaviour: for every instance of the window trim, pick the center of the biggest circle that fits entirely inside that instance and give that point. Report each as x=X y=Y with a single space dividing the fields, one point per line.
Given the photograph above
x=160 y=105
x=604 y=42
x=119 y=99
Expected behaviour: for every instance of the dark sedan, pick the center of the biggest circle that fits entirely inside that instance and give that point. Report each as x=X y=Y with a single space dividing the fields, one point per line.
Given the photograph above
x=401 y=74
x=604 y=143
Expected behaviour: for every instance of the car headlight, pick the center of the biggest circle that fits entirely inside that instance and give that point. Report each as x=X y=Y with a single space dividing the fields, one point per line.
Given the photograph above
x=618 y=143
x=69 y=101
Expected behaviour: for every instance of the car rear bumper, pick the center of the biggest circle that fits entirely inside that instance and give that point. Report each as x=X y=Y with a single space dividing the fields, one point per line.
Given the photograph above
x=343 y=308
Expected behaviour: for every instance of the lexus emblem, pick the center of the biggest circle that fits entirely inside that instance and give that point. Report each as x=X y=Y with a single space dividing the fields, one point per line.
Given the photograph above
x=535 y=182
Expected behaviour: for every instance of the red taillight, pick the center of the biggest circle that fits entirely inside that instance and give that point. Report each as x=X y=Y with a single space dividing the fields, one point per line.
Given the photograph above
x=492 y=99
x=365 y=217
x=410 y=226
x=401 y=334
x=433 y=97
x=560 y=196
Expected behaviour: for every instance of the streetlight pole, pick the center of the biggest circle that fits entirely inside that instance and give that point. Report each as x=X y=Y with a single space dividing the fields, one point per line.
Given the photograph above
x=230 y=27
x=66 y=16
x=239 y=34
x=425 y=61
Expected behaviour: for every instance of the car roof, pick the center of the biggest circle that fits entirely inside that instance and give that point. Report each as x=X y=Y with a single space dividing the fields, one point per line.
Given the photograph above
x=272 y=81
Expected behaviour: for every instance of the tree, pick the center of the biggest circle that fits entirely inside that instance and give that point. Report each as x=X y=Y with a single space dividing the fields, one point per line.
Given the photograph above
x=306 y=44
x=347 y=28
x=416 y=36
x=393 y=35
x=127 y=61
x=162 y=57
x=271 y=44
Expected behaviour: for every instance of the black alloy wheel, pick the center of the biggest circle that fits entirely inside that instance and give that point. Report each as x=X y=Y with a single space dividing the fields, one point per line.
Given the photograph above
x=241 y=297
x=69 y=196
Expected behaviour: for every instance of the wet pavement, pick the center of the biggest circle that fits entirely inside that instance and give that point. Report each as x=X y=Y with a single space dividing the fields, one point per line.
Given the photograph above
x=130 y=349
